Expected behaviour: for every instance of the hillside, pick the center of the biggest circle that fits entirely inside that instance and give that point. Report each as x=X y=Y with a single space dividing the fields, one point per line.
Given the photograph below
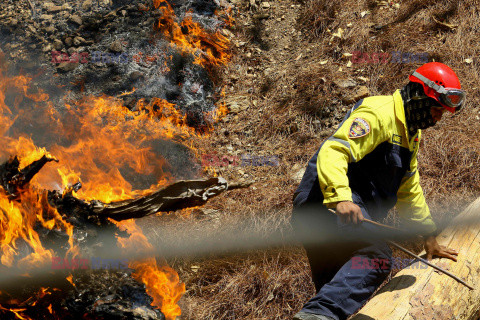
x=285 y=92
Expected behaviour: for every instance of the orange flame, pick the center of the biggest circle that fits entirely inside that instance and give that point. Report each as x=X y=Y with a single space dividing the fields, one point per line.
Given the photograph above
x=105 y=136
x=16 y=312
x=209 y=49
x=70 y=279
x=96 y=140
x=17 y=221
x=162 y=282
x=110 y=137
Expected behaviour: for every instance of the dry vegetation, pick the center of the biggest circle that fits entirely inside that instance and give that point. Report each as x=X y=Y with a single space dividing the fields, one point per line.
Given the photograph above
x=292 y=104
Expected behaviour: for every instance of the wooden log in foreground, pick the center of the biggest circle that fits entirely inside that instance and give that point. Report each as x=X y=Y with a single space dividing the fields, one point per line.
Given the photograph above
x=423 y=294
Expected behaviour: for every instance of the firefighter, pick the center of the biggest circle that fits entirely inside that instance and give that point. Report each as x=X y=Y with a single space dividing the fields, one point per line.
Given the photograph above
x=365 y=168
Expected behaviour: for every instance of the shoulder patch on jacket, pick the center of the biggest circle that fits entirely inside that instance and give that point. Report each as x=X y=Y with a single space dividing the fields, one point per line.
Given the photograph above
x=359 y=128
x=396 y=139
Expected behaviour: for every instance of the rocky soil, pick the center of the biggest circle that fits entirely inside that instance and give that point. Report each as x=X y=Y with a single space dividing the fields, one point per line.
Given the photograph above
x=110 y=47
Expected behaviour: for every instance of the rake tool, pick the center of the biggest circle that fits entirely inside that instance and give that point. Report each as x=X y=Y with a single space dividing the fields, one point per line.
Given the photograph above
x=384 y=226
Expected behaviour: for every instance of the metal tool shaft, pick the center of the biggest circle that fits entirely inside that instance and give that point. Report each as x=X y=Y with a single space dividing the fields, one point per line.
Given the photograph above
x=399 y=247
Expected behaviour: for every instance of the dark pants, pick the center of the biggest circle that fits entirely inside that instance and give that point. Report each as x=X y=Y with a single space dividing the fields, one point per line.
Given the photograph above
x=345 y=273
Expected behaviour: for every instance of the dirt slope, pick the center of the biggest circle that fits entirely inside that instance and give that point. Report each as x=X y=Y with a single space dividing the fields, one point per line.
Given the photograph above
x=290 y=83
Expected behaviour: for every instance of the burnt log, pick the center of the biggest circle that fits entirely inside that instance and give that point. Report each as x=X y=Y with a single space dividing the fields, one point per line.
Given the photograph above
x=12 y=179
x=179 y=195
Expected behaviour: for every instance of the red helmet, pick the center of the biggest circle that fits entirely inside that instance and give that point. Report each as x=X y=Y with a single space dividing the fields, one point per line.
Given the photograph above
x=440 y=83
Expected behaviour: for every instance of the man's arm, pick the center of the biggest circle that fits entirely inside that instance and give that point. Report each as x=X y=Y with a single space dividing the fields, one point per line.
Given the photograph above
x=414 y=210
x=411 y=204
x=357 y=136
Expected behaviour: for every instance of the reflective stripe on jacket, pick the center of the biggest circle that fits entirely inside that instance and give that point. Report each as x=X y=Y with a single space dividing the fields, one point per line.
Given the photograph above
x=373 y=163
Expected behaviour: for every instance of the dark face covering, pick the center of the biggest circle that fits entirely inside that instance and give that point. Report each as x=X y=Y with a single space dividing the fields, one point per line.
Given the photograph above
x=417 y=107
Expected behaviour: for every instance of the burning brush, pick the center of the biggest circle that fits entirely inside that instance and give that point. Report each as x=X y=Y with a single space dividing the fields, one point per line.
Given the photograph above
x=104 y=167
x=68 y=227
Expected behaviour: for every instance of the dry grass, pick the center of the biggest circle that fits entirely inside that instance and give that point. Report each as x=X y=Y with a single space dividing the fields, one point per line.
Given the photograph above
x=296 y=105
x=258 y=285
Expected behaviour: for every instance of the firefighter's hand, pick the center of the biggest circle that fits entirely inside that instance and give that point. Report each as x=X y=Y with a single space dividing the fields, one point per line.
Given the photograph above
x=349 y=212
x=434 y=249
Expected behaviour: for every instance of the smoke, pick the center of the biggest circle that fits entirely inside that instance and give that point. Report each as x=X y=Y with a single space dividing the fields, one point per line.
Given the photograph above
x=196 y=243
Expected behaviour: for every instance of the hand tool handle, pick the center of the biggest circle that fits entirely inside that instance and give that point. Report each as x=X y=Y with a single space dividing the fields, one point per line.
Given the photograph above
x=413 y=254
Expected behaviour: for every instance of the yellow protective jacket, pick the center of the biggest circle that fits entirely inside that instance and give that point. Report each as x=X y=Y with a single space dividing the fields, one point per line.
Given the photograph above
x=372 y=161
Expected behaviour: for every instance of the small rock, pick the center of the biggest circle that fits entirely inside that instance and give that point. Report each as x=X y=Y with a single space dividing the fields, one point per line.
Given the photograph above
x=364 y=13
x=235 y=107
x=360 y=93
x=72 y=50
x=54 y=9
x=47 y=4
x=338 y=34
x=50 y=29
x=87 y=4
x=57 y=44
x=78 y=41
x=297 y=172
x=69 y=41
x=116 y=46
x=265 y=5
x=345 y=83
x=46 y=17
x=76 y=19
x=47 y=48
x=66 y=67
x=135 y=75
